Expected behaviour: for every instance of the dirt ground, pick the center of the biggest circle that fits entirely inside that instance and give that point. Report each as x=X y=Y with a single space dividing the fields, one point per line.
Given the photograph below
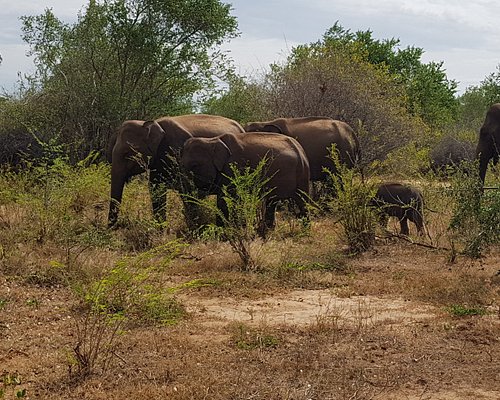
x=377 y=327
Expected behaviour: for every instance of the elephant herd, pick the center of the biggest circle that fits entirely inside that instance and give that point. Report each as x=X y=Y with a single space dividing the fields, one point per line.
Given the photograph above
x=297 y=151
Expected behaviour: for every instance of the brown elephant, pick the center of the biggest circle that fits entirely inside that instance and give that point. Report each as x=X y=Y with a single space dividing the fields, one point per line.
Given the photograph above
x=140 y=145
x=209 y=160
x=316 y=135
x=401 y=201
x=488 y=145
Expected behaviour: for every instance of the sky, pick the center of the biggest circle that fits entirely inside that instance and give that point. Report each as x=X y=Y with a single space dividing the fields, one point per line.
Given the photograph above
x=465 y=35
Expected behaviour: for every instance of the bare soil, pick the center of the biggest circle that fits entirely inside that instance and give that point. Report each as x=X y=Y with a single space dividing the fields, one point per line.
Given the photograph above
x=378 y=326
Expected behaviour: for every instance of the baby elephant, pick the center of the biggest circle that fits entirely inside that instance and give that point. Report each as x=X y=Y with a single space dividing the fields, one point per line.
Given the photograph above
x=400 y=201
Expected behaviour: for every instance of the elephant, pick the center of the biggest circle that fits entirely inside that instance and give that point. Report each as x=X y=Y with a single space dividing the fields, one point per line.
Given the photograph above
x=316 y=135
x=488 y=145
x=209 y=160
x=401 y=201
x=449 y=153
x=140 y=145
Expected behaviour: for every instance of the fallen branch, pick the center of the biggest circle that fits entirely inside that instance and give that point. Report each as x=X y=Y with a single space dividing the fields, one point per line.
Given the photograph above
x=410 y=240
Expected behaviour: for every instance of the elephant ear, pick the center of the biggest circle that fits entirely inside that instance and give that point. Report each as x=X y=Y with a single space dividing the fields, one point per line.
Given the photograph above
x=272 y=128
x=175 y=134
x=223 y=148
x=155 y=134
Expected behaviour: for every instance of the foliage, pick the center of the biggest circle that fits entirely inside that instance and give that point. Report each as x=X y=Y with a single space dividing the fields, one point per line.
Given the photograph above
x=430 y=94
x=242 y=100
x=351 y=205
x=129 y=291
x=476 y=215
x=8 y=386
x=244 y=199
x=335 y=79
x=64 y=205
x=122 y=59
x=459 y=310
x=476 y=101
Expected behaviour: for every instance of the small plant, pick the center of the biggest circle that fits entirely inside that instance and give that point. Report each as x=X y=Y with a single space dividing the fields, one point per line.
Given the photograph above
x=350 y=204
x=9 y=383
x=3 y=303
x=35 y=303
x=458 y=310
x=314 y=266
x=244 y=199
x=246 y=338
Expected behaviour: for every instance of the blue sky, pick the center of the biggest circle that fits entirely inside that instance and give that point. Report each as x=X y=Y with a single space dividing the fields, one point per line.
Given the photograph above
x=463 y=34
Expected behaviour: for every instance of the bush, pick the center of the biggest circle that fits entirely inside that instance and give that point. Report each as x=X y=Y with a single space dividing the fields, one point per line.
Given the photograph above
x=476 y=215
x=130 y=291
x=63 y=204
x=449 y=152
x=244 y=199
x=351 y=205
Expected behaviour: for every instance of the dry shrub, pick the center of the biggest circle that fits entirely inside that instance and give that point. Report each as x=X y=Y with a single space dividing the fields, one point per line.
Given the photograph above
x=336 y=83
x=449 y=152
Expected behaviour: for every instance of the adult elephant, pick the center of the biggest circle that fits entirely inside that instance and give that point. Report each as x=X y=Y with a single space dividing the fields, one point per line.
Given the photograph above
x=140 y=145
x=488 y=146
x=209 y=160
x=316 y=135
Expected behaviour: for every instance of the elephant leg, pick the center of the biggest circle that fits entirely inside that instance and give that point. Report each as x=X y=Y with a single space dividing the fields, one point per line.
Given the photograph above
x=418 y=220
x=303 y=211
x=269 y=219
x=270 y=214
x=383 y=219
x=158 y=189
x=222 y=206
x=193 y=212
x=404 y=226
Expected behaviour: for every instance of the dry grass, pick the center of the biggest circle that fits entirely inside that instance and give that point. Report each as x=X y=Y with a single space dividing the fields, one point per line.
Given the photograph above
x=381 y=329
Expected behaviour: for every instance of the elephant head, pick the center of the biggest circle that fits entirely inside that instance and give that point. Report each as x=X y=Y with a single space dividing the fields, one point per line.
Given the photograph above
x=135 y=148
x=207 y=160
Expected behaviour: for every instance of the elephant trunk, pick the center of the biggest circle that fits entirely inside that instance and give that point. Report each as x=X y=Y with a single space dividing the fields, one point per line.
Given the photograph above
x=117 y=184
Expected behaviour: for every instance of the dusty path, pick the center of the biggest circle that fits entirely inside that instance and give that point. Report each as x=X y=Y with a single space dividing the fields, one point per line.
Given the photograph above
x=302 y=307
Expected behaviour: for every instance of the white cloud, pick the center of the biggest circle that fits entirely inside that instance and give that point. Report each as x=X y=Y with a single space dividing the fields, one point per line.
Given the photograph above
x=465 y=35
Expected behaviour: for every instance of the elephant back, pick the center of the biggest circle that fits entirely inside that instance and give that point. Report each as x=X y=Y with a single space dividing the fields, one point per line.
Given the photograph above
x=204 y=125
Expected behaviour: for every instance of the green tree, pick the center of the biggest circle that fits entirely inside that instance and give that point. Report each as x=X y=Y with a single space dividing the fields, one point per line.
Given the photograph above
x=431 y=95
x=336 y=79
x=476 y=101
x=242 y=101
x=124 y=59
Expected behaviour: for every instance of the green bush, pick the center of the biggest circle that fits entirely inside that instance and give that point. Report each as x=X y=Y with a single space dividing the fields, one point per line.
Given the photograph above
x=476 y=215
x=129 y=292
x=351 y=205
x=244 y=198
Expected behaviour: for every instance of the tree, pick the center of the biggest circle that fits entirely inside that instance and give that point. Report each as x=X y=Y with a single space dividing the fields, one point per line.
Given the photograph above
x=336 y=79
x=124 y=59
x=242 y=100
x=431 y=95
x=476 y=101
